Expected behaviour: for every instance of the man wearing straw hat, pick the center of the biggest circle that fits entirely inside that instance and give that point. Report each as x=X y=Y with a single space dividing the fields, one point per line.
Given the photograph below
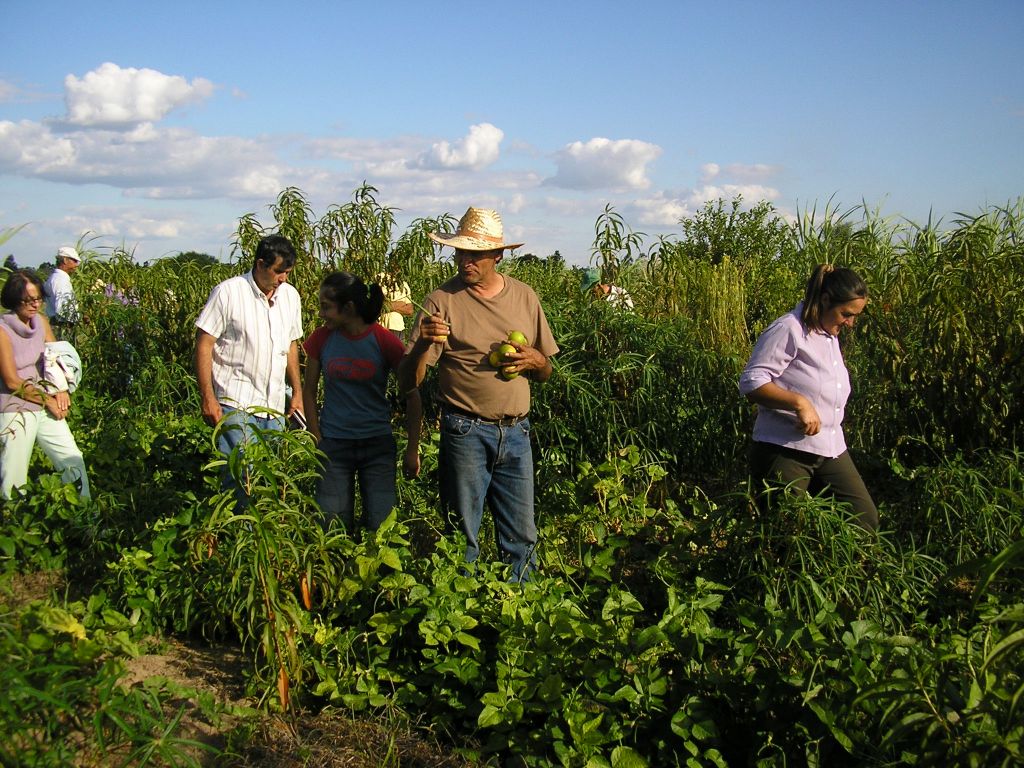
x=485 y=452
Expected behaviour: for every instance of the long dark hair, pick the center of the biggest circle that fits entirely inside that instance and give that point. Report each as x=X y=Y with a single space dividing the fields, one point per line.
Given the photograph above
x=830 y=285
x=343 y=287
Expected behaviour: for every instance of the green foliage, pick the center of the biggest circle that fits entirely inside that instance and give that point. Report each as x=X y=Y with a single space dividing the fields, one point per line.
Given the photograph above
x=616 y=246
x=63 y=702
x=732 y=272
x=668 y=624
x=944 y=341
x=192 y=257
x=963 y=508
x=268 y=545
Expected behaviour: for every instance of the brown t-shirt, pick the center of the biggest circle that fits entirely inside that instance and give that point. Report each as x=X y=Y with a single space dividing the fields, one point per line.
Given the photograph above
x=467 y=382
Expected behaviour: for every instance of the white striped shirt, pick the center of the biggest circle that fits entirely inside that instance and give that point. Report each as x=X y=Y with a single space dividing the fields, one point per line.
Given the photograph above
x=253 y=336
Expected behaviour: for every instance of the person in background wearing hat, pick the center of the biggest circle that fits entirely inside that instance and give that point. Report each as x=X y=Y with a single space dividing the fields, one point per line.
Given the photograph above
x=61 y=307
x=247 y=347
x=485 y=452
x=613 y=294
x=398 y=304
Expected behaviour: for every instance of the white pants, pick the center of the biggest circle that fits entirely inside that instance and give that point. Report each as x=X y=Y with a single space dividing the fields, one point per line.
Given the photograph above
x=20 y=431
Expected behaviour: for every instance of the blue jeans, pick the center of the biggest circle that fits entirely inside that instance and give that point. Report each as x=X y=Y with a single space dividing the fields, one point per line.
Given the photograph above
x=481 y=461
x=373 y=461
x=236 y=432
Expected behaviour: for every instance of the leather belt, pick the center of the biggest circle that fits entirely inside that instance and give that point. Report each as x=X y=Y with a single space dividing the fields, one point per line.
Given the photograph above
x=504 y=421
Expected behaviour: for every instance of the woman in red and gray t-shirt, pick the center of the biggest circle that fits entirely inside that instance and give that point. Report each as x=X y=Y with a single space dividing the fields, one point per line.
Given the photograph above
x=355 y=355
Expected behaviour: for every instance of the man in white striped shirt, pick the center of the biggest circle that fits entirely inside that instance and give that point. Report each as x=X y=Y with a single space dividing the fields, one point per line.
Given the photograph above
x=246 y=345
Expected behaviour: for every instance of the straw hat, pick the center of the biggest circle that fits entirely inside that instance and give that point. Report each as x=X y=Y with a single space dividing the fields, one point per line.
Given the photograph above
x=479 y=230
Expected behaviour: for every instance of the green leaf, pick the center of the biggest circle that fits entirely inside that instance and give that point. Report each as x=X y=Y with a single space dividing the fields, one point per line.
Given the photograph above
x=490 y=716
x=1007 y=645
x=390 y=558
x=620 y=601
x=626 y=757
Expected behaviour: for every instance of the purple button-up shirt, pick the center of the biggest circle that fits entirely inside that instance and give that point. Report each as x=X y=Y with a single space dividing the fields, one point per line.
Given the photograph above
x=804 y=361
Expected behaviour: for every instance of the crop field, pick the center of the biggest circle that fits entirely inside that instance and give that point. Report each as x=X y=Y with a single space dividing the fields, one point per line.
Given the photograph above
x=669 y=624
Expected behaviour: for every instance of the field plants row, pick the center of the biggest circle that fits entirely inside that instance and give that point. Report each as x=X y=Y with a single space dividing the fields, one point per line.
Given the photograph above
x=668 y=624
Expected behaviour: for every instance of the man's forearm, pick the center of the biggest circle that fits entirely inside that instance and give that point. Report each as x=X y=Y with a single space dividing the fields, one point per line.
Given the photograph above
x=413 y=368
x=413 y=416
x=543 y=374
x=204 y=365
x=293 y=374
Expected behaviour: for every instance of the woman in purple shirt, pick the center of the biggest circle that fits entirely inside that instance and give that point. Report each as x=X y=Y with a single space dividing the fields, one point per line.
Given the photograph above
x=31 y=413
x=355 y=354
x=797 y=378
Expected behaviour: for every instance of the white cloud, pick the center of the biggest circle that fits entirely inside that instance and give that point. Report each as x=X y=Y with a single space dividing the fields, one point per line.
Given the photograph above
x=751 y=193
x=752 y=172
x=708 y=171
x=128 y=224
x=516 y=204
x=148 y=160
x=148 y=231
x=667 y=208
x=110 y=96
x=31 y=149
x=7 y=91
x=368 y=158
x=604 y=163
x=662 y=210
x=478 y=149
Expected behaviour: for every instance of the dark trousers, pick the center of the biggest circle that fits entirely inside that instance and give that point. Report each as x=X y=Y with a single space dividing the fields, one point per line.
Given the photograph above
x=776 y=465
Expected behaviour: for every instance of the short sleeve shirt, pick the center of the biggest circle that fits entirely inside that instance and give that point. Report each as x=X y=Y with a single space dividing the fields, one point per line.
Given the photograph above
x=467 y=381
x=253 y=336
x=355 y=371
x=394 y=321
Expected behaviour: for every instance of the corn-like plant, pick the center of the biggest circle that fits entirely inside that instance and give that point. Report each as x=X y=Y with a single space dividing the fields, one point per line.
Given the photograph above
x=271 y=544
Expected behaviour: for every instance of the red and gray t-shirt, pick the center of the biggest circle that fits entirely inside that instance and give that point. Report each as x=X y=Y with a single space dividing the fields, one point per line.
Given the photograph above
x=355 y=371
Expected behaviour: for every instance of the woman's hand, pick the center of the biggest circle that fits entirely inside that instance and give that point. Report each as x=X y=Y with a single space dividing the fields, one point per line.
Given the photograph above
x=59 y=404
x=771 y=395
x=808 y=417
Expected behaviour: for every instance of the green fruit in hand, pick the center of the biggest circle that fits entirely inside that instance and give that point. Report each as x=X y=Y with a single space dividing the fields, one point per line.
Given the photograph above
x=497 y=358
x=517 y=337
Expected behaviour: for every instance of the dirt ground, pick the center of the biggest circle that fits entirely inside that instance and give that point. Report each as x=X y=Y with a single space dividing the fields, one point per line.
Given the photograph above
x=327 y=739
x=313 y=739
x=330 y=739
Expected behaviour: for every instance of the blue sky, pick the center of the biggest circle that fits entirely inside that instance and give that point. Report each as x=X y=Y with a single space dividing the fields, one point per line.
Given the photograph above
x=156 y=126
